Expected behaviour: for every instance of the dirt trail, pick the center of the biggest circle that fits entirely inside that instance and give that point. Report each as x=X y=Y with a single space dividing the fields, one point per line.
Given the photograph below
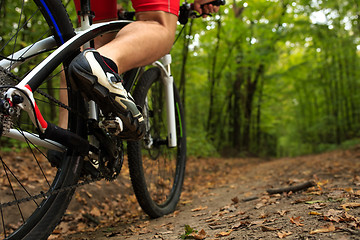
x=227 y=199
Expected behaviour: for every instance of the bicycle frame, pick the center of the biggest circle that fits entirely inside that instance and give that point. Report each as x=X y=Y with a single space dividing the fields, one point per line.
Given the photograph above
x=36 y=77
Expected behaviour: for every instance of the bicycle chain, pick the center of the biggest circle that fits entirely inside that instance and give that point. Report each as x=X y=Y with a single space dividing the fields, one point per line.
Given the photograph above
x=48 y=194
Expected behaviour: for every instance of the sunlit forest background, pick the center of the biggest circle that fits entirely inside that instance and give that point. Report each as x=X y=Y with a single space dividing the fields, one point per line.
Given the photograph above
x=267 y=77
x=272 y=77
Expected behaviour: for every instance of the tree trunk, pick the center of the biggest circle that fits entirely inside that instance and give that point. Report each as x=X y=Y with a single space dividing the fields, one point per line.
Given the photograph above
x=213 y=81
x=250 y=93
x=185 y=54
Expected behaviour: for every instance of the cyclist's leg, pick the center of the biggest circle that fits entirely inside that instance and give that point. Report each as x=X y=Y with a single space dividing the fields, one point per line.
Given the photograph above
x=145 y=40
x=103 y=11
x=137 y=44
x=63 y=113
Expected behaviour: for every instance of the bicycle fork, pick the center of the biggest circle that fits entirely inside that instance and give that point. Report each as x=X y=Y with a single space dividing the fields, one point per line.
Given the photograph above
x=168 y=82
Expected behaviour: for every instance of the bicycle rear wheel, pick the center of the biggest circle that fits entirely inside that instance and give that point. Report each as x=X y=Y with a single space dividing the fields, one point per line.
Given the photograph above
x=157 y=171
x=29 y=207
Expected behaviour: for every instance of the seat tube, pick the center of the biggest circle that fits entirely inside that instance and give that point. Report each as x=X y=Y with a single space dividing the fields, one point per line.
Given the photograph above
x=85 y=14
x=168 y=82
x=85 y=21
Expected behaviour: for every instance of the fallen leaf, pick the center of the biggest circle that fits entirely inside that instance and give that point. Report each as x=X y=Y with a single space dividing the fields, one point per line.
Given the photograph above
x=357 y=180
x=301 y=200
x=235 y=200
x=175 y=213
x=144 y=230
x=296 y=221
x=232 y=209
x=88 y=194
x=333 y=212
x=258 y=222
x=315 y=192
x=223 y=234
x=349 y=190
x=283 y=234
x=315 y=201
x=259 y=205
x=350 y=205
x=348 y=217
x=333 y=215
x=95 y=212
x=80 y=199
x=328 y=228
x=199 y=209
x=200 y=235
x=322 y=183
x=211 y=220
x=239 y=225
x=357 y=193
x=228 y=208
x=165 y=233
x=282 y=212
x=267 y=228
x=157 y=236
x=199 y=214
x=332 y=219
x=318 y=206
x=314 y=213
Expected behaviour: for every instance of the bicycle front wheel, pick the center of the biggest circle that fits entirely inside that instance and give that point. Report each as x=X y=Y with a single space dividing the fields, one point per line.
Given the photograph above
x=30 y=203
x=156 y=170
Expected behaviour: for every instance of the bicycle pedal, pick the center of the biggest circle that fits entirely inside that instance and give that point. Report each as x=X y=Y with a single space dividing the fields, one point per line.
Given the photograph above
x=93 y=160
x=114 y=126
x=91 y=168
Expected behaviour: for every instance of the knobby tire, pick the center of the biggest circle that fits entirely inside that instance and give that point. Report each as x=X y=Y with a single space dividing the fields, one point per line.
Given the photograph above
x=157 y=173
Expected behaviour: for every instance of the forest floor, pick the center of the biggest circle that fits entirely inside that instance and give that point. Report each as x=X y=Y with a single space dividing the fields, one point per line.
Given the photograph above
x=228 y=199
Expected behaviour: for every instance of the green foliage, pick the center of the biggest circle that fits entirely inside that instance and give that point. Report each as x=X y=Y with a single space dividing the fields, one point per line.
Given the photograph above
x=198 y=145
x=11 y=145
x=188 y=231
x=262 y=77
x=277 y=78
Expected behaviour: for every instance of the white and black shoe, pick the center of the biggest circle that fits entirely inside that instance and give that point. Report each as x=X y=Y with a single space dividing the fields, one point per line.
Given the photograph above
x=97 y=78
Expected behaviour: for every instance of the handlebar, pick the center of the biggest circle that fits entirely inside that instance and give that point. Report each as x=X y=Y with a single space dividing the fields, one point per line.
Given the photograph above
x=187 y=10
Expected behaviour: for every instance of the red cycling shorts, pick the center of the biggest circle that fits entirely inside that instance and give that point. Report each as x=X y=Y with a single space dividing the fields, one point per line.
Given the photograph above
x=103 y=9
x=170 y=6
x=107 y=9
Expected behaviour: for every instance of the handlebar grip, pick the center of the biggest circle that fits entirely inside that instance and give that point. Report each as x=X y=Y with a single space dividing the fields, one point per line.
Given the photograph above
x=187 y=10
x=216 y=3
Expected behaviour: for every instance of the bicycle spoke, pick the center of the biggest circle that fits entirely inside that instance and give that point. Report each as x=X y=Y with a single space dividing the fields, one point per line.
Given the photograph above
x=30 y=144
x=23 y=187
x=12 y=189
x=160 y=169
x=2 y=218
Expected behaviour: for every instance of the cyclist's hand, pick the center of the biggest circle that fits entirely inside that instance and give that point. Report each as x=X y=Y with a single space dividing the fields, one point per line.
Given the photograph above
x=206 y=9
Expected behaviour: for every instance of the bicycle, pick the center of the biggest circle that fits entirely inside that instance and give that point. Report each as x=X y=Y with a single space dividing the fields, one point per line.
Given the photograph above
x=33 y=203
